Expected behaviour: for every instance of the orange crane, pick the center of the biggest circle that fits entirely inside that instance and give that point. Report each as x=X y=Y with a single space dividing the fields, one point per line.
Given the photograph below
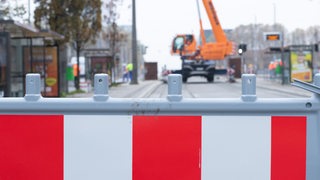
x=198 y=60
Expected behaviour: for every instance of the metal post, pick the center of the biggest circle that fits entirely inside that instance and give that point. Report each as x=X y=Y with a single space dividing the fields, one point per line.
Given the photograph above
x=134 y=45
x=248 y=87
x=174 y=87
x=282 y=59
x=29 y=12
x=101 y=87
x=33 y=87
x=315 y=64
x=242 y=64
x=31 y=56
x=44 y=66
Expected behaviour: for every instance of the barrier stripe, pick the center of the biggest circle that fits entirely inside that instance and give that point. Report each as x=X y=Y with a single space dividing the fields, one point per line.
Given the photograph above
x=236 y=147
x=98 y=147
x=288 y=148
x=31 y=147
x=152 y=147
x=166 y=147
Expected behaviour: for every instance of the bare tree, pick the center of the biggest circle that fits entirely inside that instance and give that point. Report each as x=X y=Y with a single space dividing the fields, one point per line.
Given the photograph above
x=313 y=34
x=113 y=34
x=7 y=11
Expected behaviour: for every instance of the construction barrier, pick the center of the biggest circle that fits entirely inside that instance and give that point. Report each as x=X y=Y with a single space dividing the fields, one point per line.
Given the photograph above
x=176 y=138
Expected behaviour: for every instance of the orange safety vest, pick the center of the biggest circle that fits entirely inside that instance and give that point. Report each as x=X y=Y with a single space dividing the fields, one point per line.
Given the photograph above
x=75 y=70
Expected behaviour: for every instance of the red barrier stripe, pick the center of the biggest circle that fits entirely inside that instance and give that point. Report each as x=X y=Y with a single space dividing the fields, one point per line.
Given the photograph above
x=166 y=147
x=31 y=147
x=288 y=148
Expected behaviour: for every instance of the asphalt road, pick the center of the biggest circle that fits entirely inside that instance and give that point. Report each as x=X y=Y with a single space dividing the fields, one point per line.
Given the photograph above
x=197 y=87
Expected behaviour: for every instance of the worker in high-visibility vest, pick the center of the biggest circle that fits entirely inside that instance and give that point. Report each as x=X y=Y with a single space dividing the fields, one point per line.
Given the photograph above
x=75 y=73
x=75 y=70
x=272 y=69
x=130 y=68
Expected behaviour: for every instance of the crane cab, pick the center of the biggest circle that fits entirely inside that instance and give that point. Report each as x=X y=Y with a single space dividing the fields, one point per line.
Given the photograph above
x=184 y=45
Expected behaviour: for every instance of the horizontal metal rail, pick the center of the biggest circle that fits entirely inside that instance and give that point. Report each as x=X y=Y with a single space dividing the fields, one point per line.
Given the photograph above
x=175 y=103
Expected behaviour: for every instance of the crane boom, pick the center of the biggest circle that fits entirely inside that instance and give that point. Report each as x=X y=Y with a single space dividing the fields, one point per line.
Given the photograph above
x=202 y=35
x=214 y=21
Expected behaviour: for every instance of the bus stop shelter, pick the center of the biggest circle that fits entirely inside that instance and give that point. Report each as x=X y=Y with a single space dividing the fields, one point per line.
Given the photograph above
x=25 y=49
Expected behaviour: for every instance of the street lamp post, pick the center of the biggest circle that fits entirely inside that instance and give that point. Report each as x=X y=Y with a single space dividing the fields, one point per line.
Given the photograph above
x=134 y=45
x=29 y=12
x=282 y=60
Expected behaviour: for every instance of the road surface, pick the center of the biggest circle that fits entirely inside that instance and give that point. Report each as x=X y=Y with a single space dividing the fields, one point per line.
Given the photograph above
x=197 y=87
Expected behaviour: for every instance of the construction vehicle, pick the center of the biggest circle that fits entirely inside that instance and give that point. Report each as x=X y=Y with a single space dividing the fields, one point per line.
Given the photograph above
x=200 y=60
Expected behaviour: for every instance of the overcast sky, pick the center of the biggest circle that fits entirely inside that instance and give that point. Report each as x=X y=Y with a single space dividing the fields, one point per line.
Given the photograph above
x=159 y=21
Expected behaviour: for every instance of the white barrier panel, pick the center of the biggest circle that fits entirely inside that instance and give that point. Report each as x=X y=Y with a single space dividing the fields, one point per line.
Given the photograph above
x=74 y=147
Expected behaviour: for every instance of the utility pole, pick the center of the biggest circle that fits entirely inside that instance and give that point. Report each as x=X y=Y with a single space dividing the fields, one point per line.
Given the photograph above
x=315 y=50
x=282 y=59
x=134 y=46
x=255 y=45
x=274 y=15
x=29 y=12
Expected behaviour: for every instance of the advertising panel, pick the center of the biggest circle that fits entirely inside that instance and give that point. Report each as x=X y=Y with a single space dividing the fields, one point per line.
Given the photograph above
x=47 y=67
x=301 y=65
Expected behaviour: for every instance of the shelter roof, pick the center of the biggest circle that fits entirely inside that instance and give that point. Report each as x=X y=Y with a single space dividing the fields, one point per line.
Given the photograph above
x=19 y=30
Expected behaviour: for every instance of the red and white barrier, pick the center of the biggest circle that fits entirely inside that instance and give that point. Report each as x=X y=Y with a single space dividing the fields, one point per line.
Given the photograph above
x=82 y=147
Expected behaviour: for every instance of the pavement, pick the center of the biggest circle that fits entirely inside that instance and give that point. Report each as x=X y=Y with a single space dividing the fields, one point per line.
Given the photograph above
x=142 y=89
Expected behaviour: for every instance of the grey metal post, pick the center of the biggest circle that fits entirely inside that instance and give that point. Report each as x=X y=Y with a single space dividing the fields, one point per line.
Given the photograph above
x=101 y=87
x=248 y=87
x=174 y=87
x=33 y=87
x=134 y=46
x=282 y=59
